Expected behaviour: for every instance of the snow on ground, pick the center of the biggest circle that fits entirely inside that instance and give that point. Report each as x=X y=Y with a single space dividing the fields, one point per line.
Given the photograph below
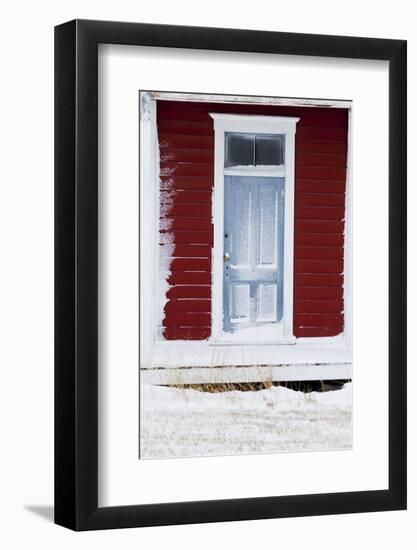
x=186 y=423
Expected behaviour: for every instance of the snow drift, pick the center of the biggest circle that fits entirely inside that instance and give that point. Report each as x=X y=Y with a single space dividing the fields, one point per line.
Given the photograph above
x=187 y=423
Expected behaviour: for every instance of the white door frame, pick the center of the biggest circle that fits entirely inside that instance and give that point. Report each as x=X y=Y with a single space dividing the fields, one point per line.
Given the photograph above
x=253 y=124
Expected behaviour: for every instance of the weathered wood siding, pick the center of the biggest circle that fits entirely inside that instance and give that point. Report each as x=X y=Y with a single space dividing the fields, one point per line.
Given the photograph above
x=186 y=147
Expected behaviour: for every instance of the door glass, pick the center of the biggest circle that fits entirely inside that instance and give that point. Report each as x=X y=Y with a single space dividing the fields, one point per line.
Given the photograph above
x=242 y=149
x=269 y=150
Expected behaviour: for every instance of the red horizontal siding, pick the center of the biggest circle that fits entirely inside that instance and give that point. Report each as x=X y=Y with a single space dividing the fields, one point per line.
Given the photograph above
x=317 y=332
x=305 y=293
x=190 y=278
x=190 y=222
x=176 y=250
x=186 y=319
x=186 y=196
x=189 y=291
x=186 y=110
x=185 y=236
x=192 y=113
x=191 y=264
x=314 y=186
x=185 y=127
x=321 y=134
x=318 y=306
x=318 y=226
x=171 y=168
x=187 y=333
x=188 y=306
x=178 y=210
x=318 y=319
x=318 y=266
x=187 y=155
x=323 y=173
x=318 y=253
x=319 y=239
x=186 y=142
x=311 y=146
x=320 y=159
x=318 y=212
x=318 y=279
x=181 y=141
x=186 y=182
x=321 y=199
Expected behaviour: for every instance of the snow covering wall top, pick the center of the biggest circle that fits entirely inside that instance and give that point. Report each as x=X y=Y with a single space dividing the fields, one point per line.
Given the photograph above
x=186 y=148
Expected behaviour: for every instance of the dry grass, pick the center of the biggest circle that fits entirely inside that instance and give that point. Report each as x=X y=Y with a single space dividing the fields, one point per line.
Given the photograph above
x=302 y=386
x=218 y=387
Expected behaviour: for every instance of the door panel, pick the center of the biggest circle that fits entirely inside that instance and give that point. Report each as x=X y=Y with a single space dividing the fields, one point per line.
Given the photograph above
x=253 y=251
x=267 y=303
x=242 y=221
x=268 y=227
x=240 y=302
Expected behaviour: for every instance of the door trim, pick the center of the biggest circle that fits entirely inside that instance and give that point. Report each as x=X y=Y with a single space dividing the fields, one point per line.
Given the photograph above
x=257 y=124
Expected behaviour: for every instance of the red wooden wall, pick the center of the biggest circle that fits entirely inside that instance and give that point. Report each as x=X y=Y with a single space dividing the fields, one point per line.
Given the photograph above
x=186 y=146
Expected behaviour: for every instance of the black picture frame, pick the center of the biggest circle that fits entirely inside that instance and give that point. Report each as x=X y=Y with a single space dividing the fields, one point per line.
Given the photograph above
x=76 y=272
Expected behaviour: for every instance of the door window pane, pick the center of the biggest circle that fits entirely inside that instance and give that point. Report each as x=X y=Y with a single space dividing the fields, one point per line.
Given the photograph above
x=243 y=149
x=269 y=150
x=240 y=150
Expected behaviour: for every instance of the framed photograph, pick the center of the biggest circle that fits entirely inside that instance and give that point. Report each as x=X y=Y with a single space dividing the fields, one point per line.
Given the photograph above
x=230 y=329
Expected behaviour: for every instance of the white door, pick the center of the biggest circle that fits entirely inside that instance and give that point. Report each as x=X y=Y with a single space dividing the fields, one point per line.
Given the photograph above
x=253 y=251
